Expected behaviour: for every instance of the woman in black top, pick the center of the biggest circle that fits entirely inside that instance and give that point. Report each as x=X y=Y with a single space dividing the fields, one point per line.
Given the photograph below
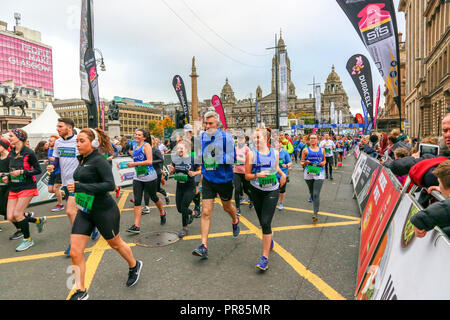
x=41 y=150
x=93 y=180
x=23 y=167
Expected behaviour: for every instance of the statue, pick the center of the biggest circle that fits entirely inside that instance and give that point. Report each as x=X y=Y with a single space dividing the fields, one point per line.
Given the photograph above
x=113 y=111
x=14 y=102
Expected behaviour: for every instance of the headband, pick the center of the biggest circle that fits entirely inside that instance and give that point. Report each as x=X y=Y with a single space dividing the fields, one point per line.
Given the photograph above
x=19 y=134
x=4 y=143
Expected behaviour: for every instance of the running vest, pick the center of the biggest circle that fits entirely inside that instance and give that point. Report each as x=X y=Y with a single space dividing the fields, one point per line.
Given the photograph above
x=313 y=171
x=143 y=173
x=264 y=162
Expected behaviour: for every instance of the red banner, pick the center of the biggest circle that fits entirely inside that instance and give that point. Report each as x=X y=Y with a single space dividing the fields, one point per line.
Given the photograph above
x=359 y=118
x=217 y=104
x=377 y=212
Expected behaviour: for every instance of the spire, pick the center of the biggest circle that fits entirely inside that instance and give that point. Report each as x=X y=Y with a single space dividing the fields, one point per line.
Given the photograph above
x=194 y=69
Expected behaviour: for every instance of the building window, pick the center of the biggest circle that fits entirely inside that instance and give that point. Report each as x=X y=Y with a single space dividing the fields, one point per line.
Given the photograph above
x=13 y=112
x=5 y=112
x=33 y=115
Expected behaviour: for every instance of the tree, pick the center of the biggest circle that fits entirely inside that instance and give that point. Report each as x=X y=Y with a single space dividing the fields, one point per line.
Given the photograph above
x=156 y=127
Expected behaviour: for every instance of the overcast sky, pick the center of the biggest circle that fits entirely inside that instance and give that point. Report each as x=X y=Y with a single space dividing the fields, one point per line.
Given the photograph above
x=145 y=43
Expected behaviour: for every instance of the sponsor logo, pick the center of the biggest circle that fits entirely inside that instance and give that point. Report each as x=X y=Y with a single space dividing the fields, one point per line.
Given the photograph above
x=92 y=74
x=375 y=23
x=359 y=66
x=178 y=85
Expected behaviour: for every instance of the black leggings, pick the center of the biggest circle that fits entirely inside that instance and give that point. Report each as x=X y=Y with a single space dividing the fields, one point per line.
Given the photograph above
x=265 y=203
x=241 y=185
x=184 y=195
x=138 y=190
x=329 y=166
x=160 y=190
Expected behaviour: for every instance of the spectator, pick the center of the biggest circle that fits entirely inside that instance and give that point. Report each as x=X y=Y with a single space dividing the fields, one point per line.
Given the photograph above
x=41 y=150
x=437 y=214
x=400 y=153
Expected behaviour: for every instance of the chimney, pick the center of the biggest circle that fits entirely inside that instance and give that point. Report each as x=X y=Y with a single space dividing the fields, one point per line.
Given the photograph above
x=3 y=26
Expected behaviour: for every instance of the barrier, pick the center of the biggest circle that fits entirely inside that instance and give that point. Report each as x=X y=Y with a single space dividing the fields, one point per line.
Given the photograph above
x=42 y=186
x=392 y=264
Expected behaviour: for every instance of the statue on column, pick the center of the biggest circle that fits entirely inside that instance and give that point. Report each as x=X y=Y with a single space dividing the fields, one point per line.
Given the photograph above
x=113 y=111
x=14 y=102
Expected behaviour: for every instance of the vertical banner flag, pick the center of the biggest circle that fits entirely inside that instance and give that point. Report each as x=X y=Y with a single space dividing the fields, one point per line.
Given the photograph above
x=340 y=116
x=332 y=118
x=86 y=40
x=359 y=118
x=366 y=116
x=283 y=90
x=91 y=69
x=376 y=25
x=317 y=94
x=180 y=90
x=377 y=104
x=359 y=69
x=258 y=120
x=217 y=104
x=102 y=105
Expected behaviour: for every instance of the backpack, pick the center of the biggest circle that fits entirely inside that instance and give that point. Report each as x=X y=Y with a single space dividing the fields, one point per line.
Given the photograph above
x=417 y=172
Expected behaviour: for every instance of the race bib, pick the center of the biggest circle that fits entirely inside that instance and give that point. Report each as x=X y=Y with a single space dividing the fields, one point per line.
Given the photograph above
x=270 y=180
x=18 y=179
x=210 y=164
x=327 y=151
x=313 y=170
x=141 y=171
x=84 y=201
x=180 y=177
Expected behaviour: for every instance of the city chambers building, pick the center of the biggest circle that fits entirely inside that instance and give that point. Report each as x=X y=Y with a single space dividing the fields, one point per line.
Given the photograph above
x=241 y=113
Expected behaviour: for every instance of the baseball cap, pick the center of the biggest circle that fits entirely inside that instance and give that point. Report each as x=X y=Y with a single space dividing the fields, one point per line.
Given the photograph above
x=188 y=127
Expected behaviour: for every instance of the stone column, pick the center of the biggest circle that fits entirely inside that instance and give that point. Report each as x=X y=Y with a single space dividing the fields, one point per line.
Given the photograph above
x=113 y=128
x=194 y=77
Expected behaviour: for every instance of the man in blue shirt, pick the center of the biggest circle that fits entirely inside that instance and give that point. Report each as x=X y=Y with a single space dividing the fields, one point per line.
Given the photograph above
x=218 y=157
x=285 y=164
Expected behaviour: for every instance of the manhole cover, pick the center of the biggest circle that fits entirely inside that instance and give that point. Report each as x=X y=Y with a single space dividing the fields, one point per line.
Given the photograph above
x=157 y=239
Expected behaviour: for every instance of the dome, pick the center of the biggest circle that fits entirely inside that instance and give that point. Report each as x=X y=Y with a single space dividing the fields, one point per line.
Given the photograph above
x=333 y=76
x=226 y=87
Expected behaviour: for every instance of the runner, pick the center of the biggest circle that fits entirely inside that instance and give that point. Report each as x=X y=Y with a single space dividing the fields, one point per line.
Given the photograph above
x=217 y=171
x=23 y=167
x=340 y=150
x=96 y=208
x=313 y=160
x=284 y=162
x=65 y=153
x=54 y=180
x=261 y=167
x=189 y=136
x=184 y=170
x=240 y=184
x=328 y=145
x=145 y=179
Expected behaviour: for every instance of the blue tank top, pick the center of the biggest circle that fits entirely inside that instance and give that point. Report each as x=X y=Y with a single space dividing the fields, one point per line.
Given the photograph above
x=141 y=173
x=265 y=162
x=315 y=157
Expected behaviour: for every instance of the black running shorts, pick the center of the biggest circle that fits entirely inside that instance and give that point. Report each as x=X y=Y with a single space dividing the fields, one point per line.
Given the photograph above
x=106 y=221
x=54 y=179
x=210 y=190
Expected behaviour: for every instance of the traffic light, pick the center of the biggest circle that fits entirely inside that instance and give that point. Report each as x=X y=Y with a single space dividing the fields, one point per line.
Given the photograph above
x=179 y=119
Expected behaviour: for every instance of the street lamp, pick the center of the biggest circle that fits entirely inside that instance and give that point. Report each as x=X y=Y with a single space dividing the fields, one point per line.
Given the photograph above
x=97 y=61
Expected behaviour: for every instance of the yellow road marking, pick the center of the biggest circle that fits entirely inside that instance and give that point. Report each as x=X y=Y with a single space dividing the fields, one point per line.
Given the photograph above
x=97 y=252
x=316 y=281
x=317 y=225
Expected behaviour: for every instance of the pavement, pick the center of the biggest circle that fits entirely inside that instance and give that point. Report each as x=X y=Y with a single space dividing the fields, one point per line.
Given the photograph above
x=309 y=262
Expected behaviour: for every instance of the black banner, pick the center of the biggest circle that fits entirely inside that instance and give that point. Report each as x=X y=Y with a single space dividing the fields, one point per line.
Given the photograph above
x=180 y=90
x=359 y=69
x=91 y=70
x=369 y=174
x=376 y=25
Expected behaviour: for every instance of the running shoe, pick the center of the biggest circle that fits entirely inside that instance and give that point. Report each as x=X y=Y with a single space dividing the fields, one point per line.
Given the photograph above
x=163 y=218
x=67 y=252
x=28 y=214
x=238 y=211
x=198 y=213
x=314 y=219
x=263 y=263
x=117 y=192
x=280 y=206
x=24 y=245
x=95 y=234
x=182 y=233
x=201 y=251
x=191 y=219
x=40 y=225
x=167 y=200
x=145 y=210
x=57 y=208
x=134 y=229
x=310 y=199
x=17 y=235
x=236 y=228
x=250 y=205
x=79 y=295
x=133 y=274
x=331 y=178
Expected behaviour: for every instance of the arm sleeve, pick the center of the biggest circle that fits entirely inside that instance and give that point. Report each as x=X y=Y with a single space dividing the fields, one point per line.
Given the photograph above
x=107 y=180
x=437 y=214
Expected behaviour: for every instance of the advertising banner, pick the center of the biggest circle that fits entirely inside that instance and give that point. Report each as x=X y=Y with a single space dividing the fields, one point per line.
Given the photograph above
x=380 y=205
x=86 y=41
x=369 y=174
x=91 y=69
x=359 y=118
x=217 y=104
x=359 y=69
x=406 y=268
x=123 y=175
x=283 y=90
x=332 y=113
x=42 y=186
x=377 y=104
x=376 y=25
x=318 y=96
x=26 y=62
x=180 y=90
x=258 y=119
x=326 y=126
x=358 y=167
x=366 y=116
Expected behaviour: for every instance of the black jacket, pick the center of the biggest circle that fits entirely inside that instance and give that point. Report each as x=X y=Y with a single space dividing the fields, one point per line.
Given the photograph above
x=94 y=176
x=402 y=166
x=27 y=162
x=437 y=214
x=158 y=160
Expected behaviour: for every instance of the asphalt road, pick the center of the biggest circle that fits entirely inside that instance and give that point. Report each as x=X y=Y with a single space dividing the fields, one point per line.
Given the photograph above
x=309 y=262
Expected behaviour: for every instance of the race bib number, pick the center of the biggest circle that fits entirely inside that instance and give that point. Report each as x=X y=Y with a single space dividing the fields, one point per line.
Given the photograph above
x=141 y=171
x=327 y=151
x=210 y=164
x=270 y=180
x=180 y=177
x=18 y=179
x=313 y=170
x=84 y=201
